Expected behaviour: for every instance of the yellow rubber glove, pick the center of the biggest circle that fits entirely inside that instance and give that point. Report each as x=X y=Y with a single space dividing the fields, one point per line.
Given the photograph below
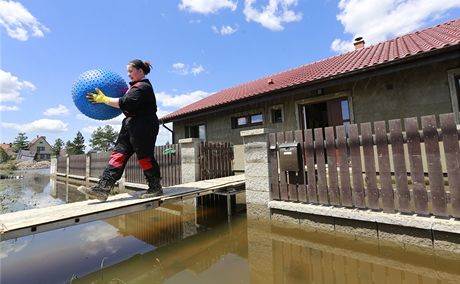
x=98 y=98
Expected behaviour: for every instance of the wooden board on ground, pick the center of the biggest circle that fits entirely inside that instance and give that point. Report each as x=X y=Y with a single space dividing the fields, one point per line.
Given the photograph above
x=27 y=222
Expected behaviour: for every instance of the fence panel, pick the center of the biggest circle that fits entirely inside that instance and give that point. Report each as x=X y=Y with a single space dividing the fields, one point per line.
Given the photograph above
x=333 y=181
x=356 y=168
x=215 y=159
x=386 y=186
x=98 y=162
x=61 y=164
x=371 y=189
x=77 y=165
x=416 y=166
x=344 y=168
x=397 y=146
x=452 y=152
x=438 y=195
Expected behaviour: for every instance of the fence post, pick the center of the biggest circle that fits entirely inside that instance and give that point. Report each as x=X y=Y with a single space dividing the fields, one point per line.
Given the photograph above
x=256 y=168
x=190 y=164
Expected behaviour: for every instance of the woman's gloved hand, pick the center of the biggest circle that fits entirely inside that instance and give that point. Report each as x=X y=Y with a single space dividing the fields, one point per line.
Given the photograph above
x=98 y=98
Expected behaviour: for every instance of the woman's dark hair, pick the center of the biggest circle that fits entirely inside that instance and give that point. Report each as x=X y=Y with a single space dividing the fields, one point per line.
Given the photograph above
x=139 y=64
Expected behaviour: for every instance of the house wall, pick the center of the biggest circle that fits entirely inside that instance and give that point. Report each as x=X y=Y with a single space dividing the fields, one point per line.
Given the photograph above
x=413 y=92
x=44 y=154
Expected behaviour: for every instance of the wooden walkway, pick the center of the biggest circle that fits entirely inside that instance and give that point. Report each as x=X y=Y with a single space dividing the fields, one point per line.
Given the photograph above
x=33 y=221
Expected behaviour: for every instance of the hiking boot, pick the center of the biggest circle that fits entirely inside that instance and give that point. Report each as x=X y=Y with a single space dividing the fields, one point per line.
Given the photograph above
x=101 y=190
x=154 y=188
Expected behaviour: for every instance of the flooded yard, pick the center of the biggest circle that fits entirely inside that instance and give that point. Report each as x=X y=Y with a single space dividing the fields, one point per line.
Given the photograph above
x=196 y=242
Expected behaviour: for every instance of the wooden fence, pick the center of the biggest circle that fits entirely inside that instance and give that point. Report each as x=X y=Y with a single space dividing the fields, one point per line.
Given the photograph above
x=215 y=159
x=77 y=165
x=340 y=167
x=169 y=160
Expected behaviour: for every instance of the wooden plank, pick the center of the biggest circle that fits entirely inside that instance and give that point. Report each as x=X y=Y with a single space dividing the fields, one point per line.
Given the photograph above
x=397 y=147
x=309 y=152
x=27 y=222
x=371 y=189
x=292 y=184
x=356 y=168
x=433 y=156
x=273 y=165
x=416 y=166
x=333 y=181
x=452 y=152
x=387 y=193
x=283 y=179
x=301 y=184
x=321 y=167
x=344 y=169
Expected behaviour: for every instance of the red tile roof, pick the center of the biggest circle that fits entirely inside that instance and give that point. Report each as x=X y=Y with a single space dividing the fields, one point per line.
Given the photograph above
x=403 y=47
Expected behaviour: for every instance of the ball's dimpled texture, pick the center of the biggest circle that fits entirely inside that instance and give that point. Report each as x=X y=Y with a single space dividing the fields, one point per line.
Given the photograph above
x=110 y=83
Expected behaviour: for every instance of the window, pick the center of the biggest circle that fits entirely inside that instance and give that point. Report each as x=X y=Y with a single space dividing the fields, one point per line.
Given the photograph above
x=196 y=131
x=277 y=115
x=247 y=120
x=39 y=148
x=457 y=86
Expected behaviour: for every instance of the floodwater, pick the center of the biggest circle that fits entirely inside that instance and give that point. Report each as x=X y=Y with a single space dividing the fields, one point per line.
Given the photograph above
x=188 y=243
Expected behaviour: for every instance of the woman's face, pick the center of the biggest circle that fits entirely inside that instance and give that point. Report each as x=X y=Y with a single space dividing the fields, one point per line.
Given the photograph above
x=135 y=74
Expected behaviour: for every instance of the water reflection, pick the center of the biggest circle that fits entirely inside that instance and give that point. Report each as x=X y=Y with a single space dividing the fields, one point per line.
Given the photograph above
x=192 y=242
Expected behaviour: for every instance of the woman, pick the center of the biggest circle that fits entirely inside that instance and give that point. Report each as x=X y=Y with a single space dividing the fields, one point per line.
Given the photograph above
x=138 y=133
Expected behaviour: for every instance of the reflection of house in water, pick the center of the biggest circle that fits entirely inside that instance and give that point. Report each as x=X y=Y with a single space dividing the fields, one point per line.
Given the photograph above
x=66 y=192
x=36 y=181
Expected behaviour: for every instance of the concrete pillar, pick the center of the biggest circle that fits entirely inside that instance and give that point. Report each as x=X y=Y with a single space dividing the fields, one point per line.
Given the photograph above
x=190 y=165
x=53 y=166
x=87 y=168
x=256 y=169
x=67 y=157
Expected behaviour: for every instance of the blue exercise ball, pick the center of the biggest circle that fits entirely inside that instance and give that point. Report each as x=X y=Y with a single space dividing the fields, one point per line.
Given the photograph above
x=110 y=83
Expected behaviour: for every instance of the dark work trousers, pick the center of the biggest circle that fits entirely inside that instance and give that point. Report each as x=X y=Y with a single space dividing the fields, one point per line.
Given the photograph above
x=137 y=135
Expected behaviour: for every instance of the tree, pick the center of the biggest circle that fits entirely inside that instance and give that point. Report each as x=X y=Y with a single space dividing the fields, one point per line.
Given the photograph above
x=69 y=148
x=77 y=146
x=20 y=142
x=103 y=139
x=79 y=143
x=57 y=147
x=3 y=155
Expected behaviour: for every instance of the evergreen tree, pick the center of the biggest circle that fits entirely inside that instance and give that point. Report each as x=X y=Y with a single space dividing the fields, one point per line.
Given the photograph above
x=20 y=142
x=69 y=148
x=103 y=139
x=57 y=147
x=79 y=144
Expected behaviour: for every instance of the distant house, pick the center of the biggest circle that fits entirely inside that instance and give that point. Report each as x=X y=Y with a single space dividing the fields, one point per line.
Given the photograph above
x=25 y=155
x=412 y=75
x=40 y=148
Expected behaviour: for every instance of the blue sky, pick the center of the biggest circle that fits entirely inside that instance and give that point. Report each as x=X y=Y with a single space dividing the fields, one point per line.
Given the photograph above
x=197 y=47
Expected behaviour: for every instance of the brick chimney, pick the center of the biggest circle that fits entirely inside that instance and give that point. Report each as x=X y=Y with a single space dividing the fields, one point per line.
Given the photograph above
x=359 y=43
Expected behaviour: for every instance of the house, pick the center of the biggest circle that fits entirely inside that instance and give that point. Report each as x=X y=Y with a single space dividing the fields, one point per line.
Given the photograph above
x=40 y=148
x=411 y=75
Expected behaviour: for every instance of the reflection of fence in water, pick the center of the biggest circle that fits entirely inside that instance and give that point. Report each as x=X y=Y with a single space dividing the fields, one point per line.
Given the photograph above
x=370 y=169
x=339 y=262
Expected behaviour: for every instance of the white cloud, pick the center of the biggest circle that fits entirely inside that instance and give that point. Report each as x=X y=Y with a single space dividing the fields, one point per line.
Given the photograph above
x=41 y=125
x=11 y=87
x=207 y=6
x=185 y=69
x=8 y=108
x=99 y=238
x=273 y=15
x=225 y=30
x=181 y=100
x=59 y=110
x=18 y=22
x=378 y=21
